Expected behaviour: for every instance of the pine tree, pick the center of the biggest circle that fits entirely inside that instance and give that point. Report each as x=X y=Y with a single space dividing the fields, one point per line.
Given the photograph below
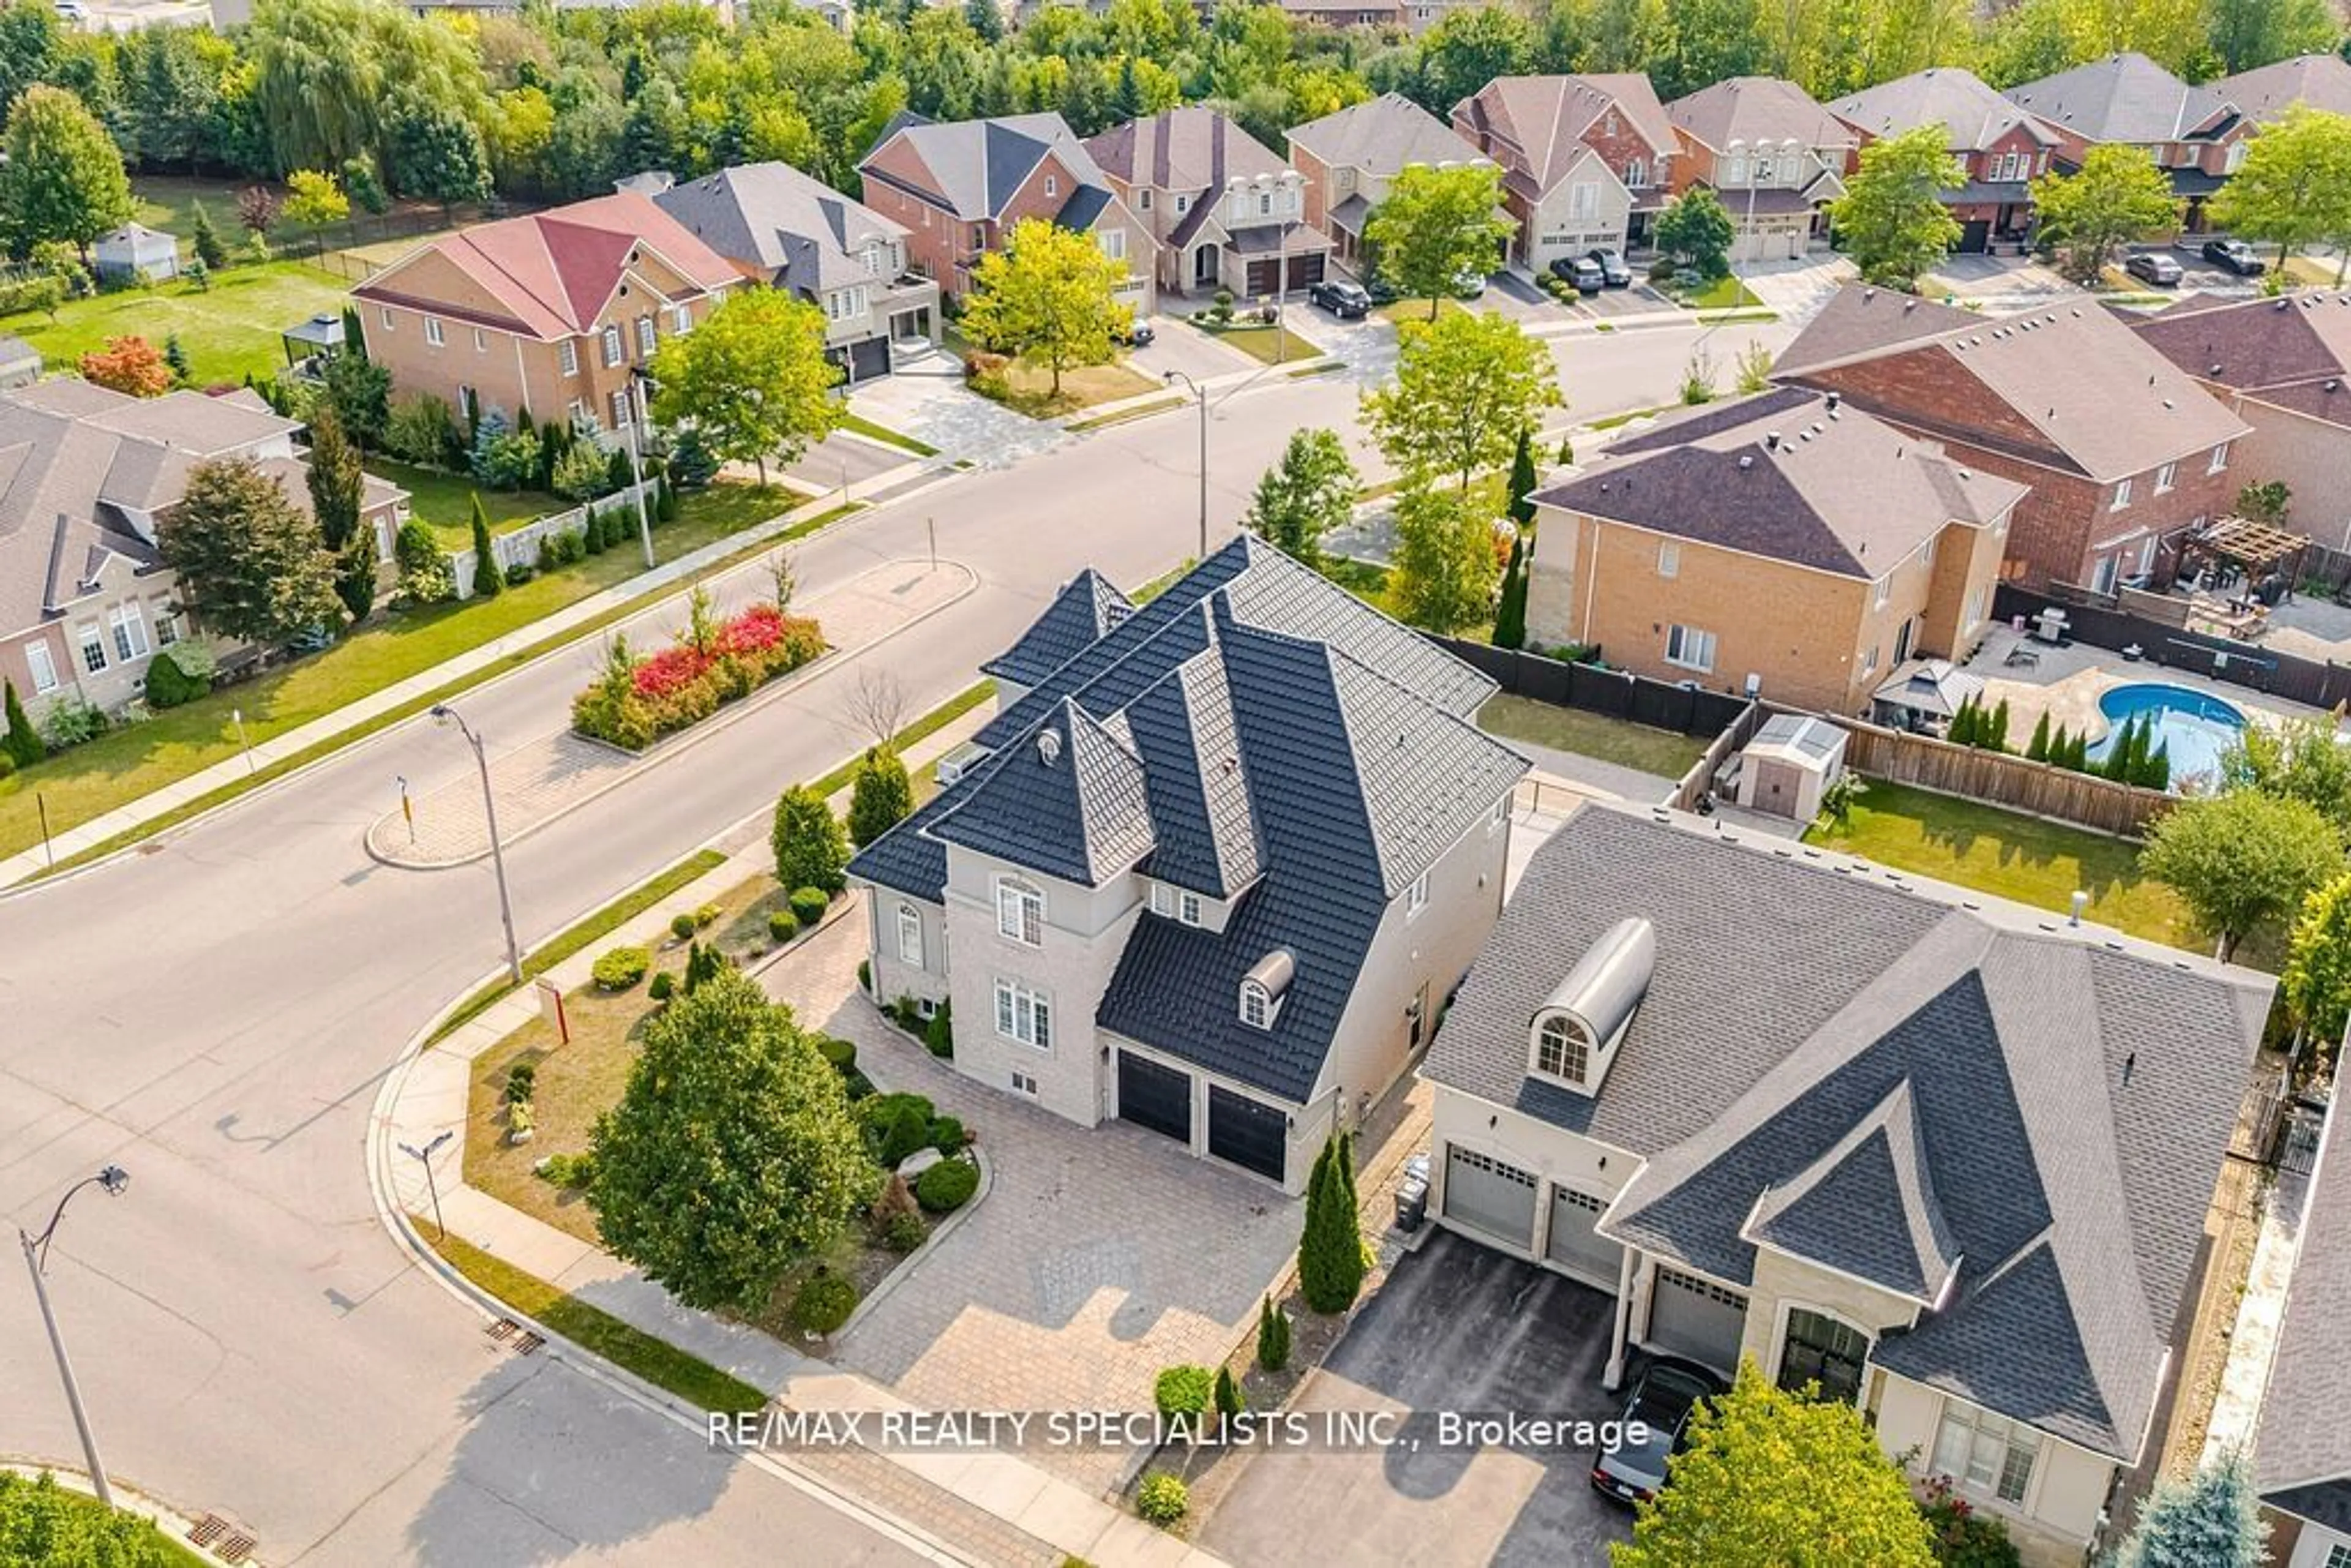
x=1272 y=1336
x=2116 y=763
x=206 y=240
x=176 y=356
x=2077 y=752
x=1522 y=481
x=1330 y=1247
x=882 y=797
x=1510 y=618
x=1230 y=1402
x=2038 y=749
x=488 y=578
x=1962 y=724
x=1996 y=737
x=22 y=742
x=2208 y=1520
x=664 y=500
x=2156 y=775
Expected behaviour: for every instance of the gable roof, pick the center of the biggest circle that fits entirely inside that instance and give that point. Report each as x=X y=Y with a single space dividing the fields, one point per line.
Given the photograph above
x=1193 y=148
x=552 y=272
x=2092 y=393
x=2126 y=99
x=2303 y=1445
x=974 y=167
x=1974 y=116
x=1786 y=475
x=1384 y=136
x=2070 y=1095
x=1749 y=109
x=2293 y=351
x=2263 y=94
x=781 y=225
x=1087 y=607
x=1546 y=117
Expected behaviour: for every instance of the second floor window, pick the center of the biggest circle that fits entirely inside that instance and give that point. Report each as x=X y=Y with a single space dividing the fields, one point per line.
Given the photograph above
x=130 y=626
x=612 y=346
x=567 y=356
x=909 y=936
x=93 y=648
x=1143 y=199
x=1562 y=1051
x=1637 y=174
x=1416 y=898
x=1669 y=561
x=1019 y=912
x=2122 y=495
x=432 y=333
x=1024 y=1015
x=2220 y=458
x=645 y=339
x=44 y=668
x=2166 y=478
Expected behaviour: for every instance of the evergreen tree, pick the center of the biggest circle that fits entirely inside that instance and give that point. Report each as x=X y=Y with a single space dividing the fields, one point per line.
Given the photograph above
x=883 y=797
x=1331 y=1248
x=22 y=742
x=1272 y=1336
x=1522 y=482
x=664 y=500
x=2156 y=775
x=176 y=356
x=338 y=485
x=1962 y=723
x=1996 y=737
x=810 y=847
x=355 y=574
x=2038 y=749
x=2211 y=1520
x=206 y=240
x=1510 y=618
x=488 y=578
x=1229 y=1400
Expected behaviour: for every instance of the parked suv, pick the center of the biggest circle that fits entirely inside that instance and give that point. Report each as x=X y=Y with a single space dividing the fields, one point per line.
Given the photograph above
x=1582 y=271
x=1343 y=298
x=1613 y=270
x=2234 y=256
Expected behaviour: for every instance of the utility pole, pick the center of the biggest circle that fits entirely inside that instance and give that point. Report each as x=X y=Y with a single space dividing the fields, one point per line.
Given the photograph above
x=113 y=1178
x=1200 y=395
x=636 y=472
x=445 y=714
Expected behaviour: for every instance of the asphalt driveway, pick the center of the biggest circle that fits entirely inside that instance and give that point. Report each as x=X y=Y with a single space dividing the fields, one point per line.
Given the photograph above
x=1457 y=1328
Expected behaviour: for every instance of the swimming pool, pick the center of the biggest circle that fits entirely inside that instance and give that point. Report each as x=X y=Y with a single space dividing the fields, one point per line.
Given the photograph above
x=2197 y=728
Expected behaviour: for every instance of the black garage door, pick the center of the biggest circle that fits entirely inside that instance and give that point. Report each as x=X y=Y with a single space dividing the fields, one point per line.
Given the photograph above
x=1153 y=1096
x=1249 y=1133
x=1263 y=278
x=1975 y=237
x=869 y=359
x=1305 y=271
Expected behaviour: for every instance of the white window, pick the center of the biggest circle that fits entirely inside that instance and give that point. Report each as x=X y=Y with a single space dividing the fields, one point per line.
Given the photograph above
x=1501 y=814
x=386 y=318
x=2166 y=477
x=432 y=333
x=620 y=409
x=612 y=346
x=1880 y=591
x=1024 y=1015
x=1583 y=200
x=1975 y=607
x=2147 y=548
x=1416 y=898
x=1562 y=1050
x=2121 y=496
x=93 y=646
x=2220 y=458
x=1025 y=1083
x=1737 y=173
x=1114 y=243
x=1162 y=899
x=1187 y=908
x=167 y=624
x=645 y=336
x=1612 y=122
x=979 y=236
x=577 y=412
x=1019 y=912
x=481 y=341
x=567 y=357
x=129 y=623
x=1690 y=648
x=1636 y=174
x=1985 y=1454
x=681 y=318
x=909 y=936
x=1669 y=561
x=1257 y=1009
x=1143 y=199
x=1869 y=660
x=1182 y=202
x=1053 y=186
x=44 y=668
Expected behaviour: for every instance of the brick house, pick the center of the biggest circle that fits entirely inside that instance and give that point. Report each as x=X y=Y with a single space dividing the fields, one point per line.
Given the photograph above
x=1775 y=157
x=2263 y=94
x=1999 y=146
x=87 y=475
x=2285 y=366
x=548 y=314
x=2194 y=134
x=1349 y=158
x=1222 y=209
x=958 y=189
x=2123 y=452
x=1587 y=160
x=1781 y=542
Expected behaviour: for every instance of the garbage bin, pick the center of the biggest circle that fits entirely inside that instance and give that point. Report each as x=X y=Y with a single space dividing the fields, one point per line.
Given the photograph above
x=1411 y=1204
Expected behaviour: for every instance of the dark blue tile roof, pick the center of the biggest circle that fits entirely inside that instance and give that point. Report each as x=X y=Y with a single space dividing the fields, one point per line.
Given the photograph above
x=1066 y=801
x=1086 y=607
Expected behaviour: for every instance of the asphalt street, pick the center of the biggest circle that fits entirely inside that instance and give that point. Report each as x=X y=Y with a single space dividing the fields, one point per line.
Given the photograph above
x=216 y=1012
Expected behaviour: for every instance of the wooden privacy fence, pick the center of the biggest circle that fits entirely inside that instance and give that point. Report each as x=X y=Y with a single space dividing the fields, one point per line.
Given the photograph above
x=2001 y=779
x=1733 y=740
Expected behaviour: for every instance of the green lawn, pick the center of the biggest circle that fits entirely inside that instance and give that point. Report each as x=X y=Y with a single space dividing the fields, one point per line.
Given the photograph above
x=1399 y=311
x=445 y=502
x=1722 y=294
x=33 y=1505
x=2011 y=856
x=229 y=330
x=1262 y=342
x=125 y=764
x=1619 y=741
x=887 y=436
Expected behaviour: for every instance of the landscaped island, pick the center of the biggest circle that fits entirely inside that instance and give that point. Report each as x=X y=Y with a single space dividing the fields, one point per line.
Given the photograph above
x=637 y=701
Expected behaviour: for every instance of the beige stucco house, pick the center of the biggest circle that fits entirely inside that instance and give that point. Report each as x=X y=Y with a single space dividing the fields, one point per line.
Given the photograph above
x=1214 y=866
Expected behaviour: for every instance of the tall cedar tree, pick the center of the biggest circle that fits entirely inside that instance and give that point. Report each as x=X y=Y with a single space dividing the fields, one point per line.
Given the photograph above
x=811 y=849
x=338 y=483
x=1510 y=618
x=21 y=741
x=1272 y=1336
x=883 y=798
x=1331 y=1248
x=205 y=240
x=355 y=573
x=1522 y=481
x=488 y=578
x=250 y=562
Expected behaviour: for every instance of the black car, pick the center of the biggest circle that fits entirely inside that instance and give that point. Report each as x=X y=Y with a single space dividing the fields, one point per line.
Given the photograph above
x=1343 y=298
x=1382 y=291
x=2153 y=267
x=1613 y=270
x=1582 y=271
x=2234 y=256
x=1660 y=1405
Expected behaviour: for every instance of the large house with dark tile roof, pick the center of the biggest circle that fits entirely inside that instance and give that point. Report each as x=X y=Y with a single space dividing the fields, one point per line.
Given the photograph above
x=2283 y=366
x=2122 y=453
x=1223 y=209
x=958 y=188
x=1949 y=1159
x=2001 y=147
x=1782 y=542
x=2194 y=134
x=1349 y=158
x=1775 y=157
x=1586 y=160
x=1213 y=867
x=2302 y=1445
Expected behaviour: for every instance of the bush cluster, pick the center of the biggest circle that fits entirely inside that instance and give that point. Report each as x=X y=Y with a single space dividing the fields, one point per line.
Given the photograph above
x=809 y=904
x=664 y=987
x=1163 y=1499
x=824 y=1301
x=1184 y=1391
x=174 y=677
x=842 y=1053
x=946 y=1185
x=782 y=925
x=635 y=702
x=571 y=1171
x=621 y=968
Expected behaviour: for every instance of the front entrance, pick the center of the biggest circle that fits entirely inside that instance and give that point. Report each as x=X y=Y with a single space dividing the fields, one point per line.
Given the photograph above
x=1152 y=1094
x=1697 y=1319
x=1821 y=1350
x=1574 y=1246
x=1204 y=267
x=1249 y=1133
x=1487 y=1196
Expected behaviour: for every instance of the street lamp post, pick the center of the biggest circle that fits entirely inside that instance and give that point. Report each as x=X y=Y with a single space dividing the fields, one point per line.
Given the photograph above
x=1200 y=395
x=113 y=1178
x=642 y=412
x=445 y=714
x=424 y=1156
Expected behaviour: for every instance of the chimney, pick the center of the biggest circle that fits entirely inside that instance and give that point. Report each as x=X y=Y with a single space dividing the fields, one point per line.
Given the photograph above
x=1771 y=441
x=2081 y=904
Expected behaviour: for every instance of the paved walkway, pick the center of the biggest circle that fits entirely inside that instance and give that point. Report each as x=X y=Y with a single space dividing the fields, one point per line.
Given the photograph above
x=541 y=780
x=351 y=716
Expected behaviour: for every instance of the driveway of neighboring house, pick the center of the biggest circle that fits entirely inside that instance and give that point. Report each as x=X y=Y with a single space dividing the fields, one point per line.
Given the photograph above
x=1096 y=1258
x=1180 y=346
x=1797 y=289
x=846 y=458
x=927 y=400
x=1458 y=1328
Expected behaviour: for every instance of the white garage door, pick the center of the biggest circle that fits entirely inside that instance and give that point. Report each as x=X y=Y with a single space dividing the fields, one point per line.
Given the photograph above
x=1573 y=1246
x=1485 y=1195
x=1693 y=1318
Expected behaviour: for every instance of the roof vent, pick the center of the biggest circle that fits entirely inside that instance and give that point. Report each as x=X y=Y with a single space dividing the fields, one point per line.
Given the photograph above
x=1771 y=441
x=2214 y=371
x=1834 y=398
x=2081 y=904
x=1049 y=747
x=1746 y=461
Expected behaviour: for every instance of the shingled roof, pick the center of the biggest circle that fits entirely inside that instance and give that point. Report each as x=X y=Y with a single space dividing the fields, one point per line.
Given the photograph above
x=2126 y=99
x=1751 y=110
x=2302 y=1446
x=972 y=168
x=781 y=225
x=2263 y=94
x=1546 y=117
x=1974 y=116
x=1382 y=137
x=2293 y=351
x=1927 y=1079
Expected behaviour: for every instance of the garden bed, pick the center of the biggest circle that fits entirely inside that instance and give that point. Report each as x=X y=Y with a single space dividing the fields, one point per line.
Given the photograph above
x=637 y=701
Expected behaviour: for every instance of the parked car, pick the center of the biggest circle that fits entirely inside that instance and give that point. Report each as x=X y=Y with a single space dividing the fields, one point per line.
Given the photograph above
x=1138 y=335
x=1382 y=291
x=1661 y=1401
x=1341 y=296
x=1469 y=284
x=2151 y=267
x=1613 y=270
x=2234 y=256
x=1582 y=271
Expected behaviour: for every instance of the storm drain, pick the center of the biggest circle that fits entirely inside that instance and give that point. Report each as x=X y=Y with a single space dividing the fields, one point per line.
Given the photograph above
x=515 y=1337
x=222 y=1539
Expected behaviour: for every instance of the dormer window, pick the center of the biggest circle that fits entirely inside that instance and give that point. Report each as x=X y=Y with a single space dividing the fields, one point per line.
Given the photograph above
x=1562 y=1050
x=1573 y=1036
x=1265 y=985
x=1256 y=1008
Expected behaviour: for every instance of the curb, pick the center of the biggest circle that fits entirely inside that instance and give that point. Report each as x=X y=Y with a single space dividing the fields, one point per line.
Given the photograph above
x=128 y=1498
x=673 y=746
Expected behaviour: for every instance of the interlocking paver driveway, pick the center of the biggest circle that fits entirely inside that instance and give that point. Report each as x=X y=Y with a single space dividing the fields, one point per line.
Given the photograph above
x=1099 y=1256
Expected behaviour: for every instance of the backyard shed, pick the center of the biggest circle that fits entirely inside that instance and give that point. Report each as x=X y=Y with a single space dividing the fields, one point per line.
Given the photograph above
x=1792 y=759
x=135 y=250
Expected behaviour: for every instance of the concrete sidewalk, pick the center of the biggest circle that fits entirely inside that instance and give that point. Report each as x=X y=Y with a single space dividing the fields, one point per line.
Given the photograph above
x=172 y=797
x=996 y=1506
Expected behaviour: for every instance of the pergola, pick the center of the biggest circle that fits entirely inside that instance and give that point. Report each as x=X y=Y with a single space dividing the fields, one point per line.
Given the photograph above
x=2258 y=548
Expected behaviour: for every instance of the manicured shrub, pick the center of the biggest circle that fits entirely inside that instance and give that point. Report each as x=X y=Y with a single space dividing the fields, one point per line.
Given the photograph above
x=809 y=904
x=636 y=701
x=522 y=1082
x=1331 y=1249
x=70 y=721
x=824 y=1301
x=904 y=1232
x=783 y=924
x=424 y=574
x=1163 y=1499
x=1229 y=1399
x=811 y=849
x=520 y=572
x=881 y=796
x=174 y=677
x=704 y=915
x=1272 y=1336
x=522 y=1123
x=947 y=1186
x=897 y=1125
x=1184 y=1391
x=938 y=1035
x=865 y=976
x=842 y=1053
x=621 y=968
x=947 y=1135
x=572 y=1171
x=664 y=987
x=681 y=926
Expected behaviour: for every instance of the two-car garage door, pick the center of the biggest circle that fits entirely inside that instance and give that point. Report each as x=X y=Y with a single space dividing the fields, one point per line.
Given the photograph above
x=1249 y=1133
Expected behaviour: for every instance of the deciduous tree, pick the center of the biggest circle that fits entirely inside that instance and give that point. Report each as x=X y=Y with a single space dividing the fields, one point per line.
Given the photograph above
x=2118 y=196
x=1308 y=492
x=315 y=199
x=751 y=378
x=1466 y=385
x=132 y=366
x=1435 y=224
x=1048 y=298
x=2299 y=760
x=2242 y=860
x=2294 y=185
x=732 y=1152
x=2317 y=984
x=1892 y=213
x=1696 y=227
x=251 y=564
x=64 y=178
x=1444 y=569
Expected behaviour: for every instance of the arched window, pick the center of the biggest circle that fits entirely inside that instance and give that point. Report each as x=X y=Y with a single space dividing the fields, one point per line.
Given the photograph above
x=1819 y=1351
x=909 y=936
x=1021 y=911
x=1257 y=1006
x=1562 y=1049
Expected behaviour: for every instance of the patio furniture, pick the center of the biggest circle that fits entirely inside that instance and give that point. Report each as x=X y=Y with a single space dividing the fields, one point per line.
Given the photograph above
x=2023 y=655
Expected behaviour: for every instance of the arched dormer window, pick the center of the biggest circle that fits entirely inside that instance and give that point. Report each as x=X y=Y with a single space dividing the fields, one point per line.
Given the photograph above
x=1562 y=1050
x=1265 y=985
x=1256 y=1008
